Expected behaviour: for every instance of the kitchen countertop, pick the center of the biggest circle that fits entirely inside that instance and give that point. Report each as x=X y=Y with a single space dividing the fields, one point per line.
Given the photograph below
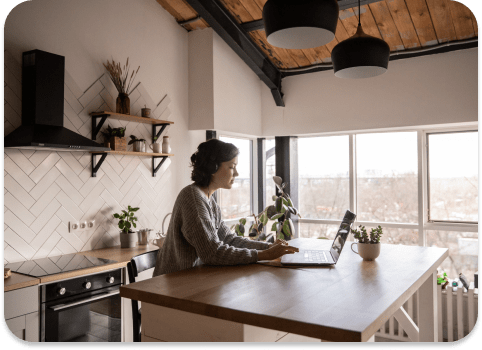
x=121 y=256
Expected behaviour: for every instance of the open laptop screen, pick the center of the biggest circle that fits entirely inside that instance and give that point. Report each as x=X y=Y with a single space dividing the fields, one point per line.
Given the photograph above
x=342 y=235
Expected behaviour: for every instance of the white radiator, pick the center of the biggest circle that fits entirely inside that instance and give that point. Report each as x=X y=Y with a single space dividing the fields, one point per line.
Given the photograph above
x=457 y=315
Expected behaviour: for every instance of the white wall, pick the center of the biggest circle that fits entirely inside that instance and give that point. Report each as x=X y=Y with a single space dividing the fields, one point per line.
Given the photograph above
x=237 y=92
x=435 y=89
x=224 y=93
x=46 y=190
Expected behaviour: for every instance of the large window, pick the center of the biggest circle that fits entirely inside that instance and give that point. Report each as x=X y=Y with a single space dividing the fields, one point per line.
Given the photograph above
x=387 y=177
x=453 y=177
x=236 y=202
x=421 y=187
x=323 y=170
x=270 y=171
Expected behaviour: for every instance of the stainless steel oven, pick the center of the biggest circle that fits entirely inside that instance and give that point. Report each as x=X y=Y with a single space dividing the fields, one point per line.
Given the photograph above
x=82 y=309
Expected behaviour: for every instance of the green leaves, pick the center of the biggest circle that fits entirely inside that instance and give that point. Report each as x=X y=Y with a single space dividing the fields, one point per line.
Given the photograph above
x=277 y=216
x=242 y=221
x=263 y=219
x=127 y=219
x=288 y=227
x=279 y=204
x=239 y=228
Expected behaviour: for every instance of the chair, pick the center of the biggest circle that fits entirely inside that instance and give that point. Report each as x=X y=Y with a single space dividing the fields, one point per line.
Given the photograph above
x=138 y=264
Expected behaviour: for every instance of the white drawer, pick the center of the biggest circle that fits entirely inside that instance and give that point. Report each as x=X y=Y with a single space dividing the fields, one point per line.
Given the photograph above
x=21 y=302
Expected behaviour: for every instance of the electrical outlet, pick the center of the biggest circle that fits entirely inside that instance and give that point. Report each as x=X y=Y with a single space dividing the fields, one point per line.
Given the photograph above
x=83 y=225
x=74 y=226
x=91 y=224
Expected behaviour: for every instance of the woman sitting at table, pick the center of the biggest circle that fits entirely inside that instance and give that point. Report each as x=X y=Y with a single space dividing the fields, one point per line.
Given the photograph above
x=196 y=233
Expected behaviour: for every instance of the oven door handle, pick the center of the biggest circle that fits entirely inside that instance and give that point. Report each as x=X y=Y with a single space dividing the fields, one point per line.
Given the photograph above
x=84 y=301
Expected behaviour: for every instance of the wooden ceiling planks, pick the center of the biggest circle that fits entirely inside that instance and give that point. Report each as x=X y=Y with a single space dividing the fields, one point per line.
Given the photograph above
x=442 y=20
x=462 y=18
x=403 y=24
x=423 y=22
x=387 y=26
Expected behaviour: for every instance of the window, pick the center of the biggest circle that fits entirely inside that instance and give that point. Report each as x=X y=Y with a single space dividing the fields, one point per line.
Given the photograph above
x=236 y=202
x=270 y=171
x=322 y=231
x=323 y=170
x=387 y=177
x=453 y=176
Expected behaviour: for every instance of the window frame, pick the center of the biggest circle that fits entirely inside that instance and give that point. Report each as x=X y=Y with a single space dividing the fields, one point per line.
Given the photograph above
x=427 y=148
x=253 y=179
x=423 y=223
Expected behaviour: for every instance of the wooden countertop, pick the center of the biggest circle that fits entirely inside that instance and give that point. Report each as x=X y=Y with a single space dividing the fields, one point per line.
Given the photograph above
x=346 y=302
x=121 y=256
x=17 y=281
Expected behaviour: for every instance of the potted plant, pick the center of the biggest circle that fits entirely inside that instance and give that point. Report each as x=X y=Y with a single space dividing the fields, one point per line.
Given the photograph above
x=139 y=144
x=368 y=244
x=127 y=220
x=282 y=228
x=116 y=138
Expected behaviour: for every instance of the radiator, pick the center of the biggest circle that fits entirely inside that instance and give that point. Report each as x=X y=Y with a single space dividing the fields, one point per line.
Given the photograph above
x=456 y=315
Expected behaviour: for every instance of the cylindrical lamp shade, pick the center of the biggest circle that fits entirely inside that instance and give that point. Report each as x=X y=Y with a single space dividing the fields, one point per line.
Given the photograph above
x=361 y=56
x=300 y=24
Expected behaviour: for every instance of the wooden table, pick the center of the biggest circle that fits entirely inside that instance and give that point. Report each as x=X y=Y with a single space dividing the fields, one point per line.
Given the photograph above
x=347 y=302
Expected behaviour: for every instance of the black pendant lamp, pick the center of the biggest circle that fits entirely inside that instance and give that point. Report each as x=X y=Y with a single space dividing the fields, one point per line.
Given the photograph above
x=361 y=56
x=300 y=24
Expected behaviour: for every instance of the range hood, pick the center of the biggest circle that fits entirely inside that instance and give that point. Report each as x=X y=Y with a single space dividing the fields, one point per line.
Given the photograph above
x=43 y=108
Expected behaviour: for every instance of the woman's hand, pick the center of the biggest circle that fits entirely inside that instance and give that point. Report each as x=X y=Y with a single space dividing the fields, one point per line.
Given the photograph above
x=276 y=250
x=279 y=241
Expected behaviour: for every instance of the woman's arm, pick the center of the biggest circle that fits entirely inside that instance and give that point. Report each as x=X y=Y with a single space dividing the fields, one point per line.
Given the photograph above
x=236 y=241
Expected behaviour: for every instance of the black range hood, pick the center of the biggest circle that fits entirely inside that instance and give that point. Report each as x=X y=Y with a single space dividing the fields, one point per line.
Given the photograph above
x=43 y=108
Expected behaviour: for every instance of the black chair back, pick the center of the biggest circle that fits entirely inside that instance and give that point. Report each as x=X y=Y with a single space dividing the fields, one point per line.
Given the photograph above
x=137 y=265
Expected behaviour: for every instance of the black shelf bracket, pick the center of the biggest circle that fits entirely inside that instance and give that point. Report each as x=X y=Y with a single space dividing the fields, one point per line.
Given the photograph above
x=156 y=134
x=96 y=165
x=96 y=127
x=155 y=168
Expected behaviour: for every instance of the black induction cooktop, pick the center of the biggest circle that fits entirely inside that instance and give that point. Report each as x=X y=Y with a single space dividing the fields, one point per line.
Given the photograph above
x=56 y=264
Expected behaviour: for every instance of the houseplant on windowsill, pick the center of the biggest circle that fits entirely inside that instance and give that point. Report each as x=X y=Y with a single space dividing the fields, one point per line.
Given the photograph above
x=368 y=245
x=127 y=220
x=282 y=228
x=139 y=144
x=115 y=138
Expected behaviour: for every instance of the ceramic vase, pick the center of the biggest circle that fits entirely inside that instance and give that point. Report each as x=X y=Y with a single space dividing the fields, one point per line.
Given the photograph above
x=139 y=146
x=166 y=146
x=123 y=104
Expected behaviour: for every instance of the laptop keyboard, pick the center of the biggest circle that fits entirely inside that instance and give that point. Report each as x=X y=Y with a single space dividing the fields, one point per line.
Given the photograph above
x=315 y=256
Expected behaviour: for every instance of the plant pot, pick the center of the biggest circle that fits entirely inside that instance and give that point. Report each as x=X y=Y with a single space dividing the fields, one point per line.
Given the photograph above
x=123 y=104
x=118 y=144
x=139 y=146
x=368 y=251
x=128 y=240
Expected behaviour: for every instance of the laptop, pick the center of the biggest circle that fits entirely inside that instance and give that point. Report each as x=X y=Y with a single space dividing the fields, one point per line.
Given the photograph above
x=323 y=257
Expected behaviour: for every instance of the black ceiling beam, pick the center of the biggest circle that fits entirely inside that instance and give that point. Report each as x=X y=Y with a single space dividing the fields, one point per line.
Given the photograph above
x=342 y=4
x=219 y=18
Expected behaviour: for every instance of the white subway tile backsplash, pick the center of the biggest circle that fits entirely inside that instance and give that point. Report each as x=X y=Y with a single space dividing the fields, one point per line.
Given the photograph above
x=44 y=191
x=18 y=192
x=18 y=209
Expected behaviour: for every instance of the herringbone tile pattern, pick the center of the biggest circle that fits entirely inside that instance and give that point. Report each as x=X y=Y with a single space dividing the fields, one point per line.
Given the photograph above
x=45 y=190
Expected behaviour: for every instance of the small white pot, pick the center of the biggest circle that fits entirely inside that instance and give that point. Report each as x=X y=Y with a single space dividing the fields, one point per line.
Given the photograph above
x=367 y=251
x=139 y=146
x=128 y=240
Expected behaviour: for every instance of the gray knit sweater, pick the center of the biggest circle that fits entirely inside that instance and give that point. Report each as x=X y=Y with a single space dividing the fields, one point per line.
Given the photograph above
x=197 y=235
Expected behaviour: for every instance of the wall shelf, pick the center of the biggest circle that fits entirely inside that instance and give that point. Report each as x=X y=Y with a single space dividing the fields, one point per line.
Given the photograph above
x=156 y=134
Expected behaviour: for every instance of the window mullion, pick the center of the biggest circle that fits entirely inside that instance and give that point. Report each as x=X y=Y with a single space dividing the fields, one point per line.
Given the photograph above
x=422 y=187
x=352 y=174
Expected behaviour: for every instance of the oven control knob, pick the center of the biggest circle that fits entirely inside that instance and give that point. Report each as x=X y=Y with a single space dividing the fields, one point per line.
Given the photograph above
x=87 y=285
x=61 y=291
x=110 y=279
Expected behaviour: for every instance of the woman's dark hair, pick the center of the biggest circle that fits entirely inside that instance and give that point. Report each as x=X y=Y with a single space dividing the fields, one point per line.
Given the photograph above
x=207 y=159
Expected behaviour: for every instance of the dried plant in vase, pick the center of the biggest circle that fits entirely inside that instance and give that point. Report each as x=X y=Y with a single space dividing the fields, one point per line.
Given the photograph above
x=123 y=82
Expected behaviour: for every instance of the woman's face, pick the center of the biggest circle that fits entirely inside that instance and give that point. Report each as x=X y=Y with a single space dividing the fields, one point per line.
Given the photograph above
x=224 y=177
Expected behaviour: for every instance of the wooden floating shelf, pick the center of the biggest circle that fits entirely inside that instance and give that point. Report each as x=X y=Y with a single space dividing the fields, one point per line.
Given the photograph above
x=141 y=154
x=130 y=118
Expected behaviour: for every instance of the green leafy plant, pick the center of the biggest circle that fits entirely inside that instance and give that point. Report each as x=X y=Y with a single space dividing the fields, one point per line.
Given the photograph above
x=280 y=212
x=135 y=139
x=362 y=236
x=127 y=219
x=442 y=278
x=116 y=132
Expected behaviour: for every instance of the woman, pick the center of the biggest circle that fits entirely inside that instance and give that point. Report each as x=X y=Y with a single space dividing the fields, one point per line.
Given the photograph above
x=196 y=233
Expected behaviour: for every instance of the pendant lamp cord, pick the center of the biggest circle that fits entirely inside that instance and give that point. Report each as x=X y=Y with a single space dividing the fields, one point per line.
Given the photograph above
x=359 y=13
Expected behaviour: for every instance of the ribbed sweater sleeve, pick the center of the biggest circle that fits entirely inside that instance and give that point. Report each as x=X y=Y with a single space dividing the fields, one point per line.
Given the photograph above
x=196 y=231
